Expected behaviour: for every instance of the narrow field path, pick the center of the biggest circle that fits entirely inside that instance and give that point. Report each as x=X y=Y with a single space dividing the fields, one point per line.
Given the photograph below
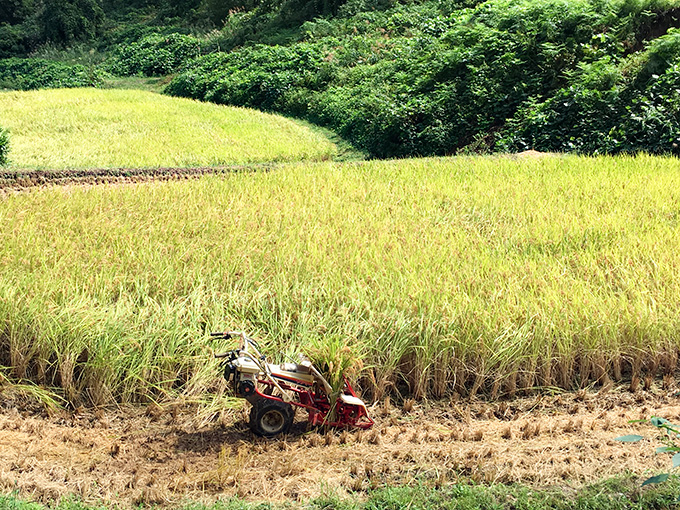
x=164 y=456
x=22 y=179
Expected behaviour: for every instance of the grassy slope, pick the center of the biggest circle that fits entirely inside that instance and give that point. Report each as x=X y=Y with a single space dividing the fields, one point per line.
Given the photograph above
x=448 y=273
x=80 y=128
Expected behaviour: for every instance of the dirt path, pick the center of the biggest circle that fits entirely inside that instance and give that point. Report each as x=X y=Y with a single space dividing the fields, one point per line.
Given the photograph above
x=163 y=456
x=23 y=179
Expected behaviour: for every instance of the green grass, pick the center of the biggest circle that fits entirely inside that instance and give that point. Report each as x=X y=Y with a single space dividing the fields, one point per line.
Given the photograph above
x=84 y=128
x=465 y=274
x=616 y=494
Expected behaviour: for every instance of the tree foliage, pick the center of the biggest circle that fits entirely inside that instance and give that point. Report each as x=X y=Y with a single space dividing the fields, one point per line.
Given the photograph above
x=26 y=24
x=15 y=11
x=67 y=21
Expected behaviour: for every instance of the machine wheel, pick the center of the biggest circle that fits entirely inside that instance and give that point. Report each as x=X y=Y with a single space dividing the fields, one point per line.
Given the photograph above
x=269 y=418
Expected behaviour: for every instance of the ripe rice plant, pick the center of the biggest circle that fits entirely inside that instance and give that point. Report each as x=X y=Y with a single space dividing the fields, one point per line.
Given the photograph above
x=463 y=274
x=92 y=128
x=337 y=359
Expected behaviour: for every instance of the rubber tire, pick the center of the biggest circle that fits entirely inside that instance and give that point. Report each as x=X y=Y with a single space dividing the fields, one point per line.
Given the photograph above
x=269 y=418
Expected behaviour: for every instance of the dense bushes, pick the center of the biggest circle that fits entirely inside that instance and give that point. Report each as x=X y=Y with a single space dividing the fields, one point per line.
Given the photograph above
x=265 y=77
x=603 y=111
x=26 y=24
x=155 y=55
x=4 y=146
x=268 y=21
x=36 y=73
x=401 y=78
x=434 y=78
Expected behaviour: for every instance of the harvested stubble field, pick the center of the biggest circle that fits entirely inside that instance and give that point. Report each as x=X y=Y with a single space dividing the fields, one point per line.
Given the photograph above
x=167 y=456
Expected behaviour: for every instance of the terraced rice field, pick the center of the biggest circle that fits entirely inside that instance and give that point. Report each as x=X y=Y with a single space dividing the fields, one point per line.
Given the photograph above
x=91 y=128
x=466 y=275
x=505 y=279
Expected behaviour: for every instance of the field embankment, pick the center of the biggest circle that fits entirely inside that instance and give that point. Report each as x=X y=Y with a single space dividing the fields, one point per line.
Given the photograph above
x=88 y=128
x=471 y=275
x=22 y=179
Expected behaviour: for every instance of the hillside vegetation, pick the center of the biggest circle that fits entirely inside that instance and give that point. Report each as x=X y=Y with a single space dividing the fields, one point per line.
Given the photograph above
x=429 y=78
x=86 y=128
x=407 y=78
x=467 y=274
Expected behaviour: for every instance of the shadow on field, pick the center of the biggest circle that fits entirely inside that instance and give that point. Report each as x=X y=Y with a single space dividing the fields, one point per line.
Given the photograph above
x=210 y=440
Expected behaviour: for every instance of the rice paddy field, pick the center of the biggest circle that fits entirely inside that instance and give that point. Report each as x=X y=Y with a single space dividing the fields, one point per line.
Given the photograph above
x=93 y=128
x=465 y=295
x=466 y=275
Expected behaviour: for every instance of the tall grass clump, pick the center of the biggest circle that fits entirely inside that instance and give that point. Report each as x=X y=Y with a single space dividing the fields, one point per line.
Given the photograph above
x=81 y=128
x=473 y=275
x=4 y=146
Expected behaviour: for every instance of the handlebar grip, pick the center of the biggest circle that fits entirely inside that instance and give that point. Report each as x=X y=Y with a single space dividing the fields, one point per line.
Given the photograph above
x=222 y=355
x=226 y=334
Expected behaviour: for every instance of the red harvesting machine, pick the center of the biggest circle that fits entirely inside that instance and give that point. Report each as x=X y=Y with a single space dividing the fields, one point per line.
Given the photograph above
x=276 y=390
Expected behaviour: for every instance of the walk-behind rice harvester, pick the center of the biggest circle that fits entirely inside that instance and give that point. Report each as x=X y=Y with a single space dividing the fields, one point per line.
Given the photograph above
x=276 y=390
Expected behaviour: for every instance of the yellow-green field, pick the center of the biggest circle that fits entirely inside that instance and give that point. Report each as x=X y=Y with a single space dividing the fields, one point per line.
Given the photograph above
x=465 y=274
x=90 y=128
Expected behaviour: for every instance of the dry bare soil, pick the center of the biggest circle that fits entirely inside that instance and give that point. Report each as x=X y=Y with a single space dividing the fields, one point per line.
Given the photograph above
x=167 y=455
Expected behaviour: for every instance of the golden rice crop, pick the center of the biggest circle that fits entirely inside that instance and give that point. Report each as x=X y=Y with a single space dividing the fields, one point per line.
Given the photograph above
x=91 y=128
x=465 y=274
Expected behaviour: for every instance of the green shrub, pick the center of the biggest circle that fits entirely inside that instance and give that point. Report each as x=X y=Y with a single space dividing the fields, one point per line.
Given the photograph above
x=37 y=73
x=155 y=55
x=601 y=112
x=660 y=55
x=4 y=146
x=651 y=120
x=264 y=77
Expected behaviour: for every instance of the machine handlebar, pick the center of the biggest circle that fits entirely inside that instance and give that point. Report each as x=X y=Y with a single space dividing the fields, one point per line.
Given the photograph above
x=231 y=334
x=226 y=334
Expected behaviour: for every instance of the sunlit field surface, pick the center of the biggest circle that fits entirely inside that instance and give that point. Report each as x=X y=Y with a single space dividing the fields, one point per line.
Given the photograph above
x=90 y=128
x=472 y=275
